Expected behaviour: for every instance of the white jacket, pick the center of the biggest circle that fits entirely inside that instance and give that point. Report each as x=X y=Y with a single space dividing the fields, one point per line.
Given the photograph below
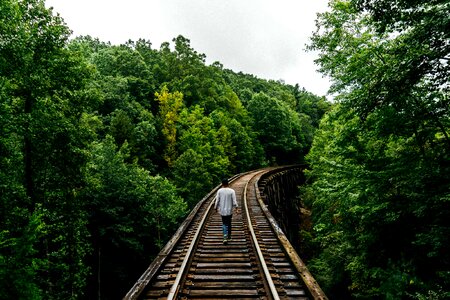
x=225 y=200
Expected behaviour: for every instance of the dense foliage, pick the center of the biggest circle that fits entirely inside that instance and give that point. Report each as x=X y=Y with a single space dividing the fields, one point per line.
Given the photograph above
x=104 y=148
x=380 y=163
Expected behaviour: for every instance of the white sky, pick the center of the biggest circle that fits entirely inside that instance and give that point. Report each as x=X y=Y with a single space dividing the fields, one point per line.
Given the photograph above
x=265 y=38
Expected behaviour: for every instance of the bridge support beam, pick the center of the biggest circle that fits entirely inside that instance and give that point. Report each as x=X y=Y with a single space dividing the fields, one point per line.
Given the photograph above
x=279 y=191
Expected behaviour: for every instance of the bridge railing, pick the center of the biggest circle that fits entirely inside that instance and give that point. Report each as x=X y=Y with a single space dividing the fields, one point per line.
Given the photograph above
x=273 y=190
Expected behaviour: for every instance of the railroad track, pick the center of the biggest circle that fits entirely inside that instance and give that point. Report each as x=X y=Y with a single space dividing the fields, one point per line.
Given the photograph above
x=255 y=264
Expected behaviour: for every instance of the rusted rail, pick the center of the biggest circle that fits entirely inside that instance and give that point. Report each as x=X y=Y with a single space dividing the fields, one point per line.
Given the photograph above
x=257 y=263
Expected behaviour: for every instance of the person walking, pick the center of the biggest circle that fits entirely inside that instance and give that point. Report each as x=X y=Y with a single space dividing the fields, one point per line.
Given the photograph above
x=224 y=202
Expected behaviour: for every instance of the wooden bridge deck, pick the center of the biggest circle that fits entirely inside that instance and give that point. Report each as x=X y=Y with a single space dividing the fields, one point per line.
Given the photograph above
x=258 y=263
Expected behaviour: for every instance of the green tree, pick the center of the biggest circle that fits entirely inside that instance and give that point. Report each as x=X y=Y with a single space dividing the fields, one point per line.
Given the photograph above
x=200 y=142
x=42 y=98
x=144 y=141
x=124 y=83
x=170 y=105
x=131 y=213
x=380 y=159
x=125 y=62
x=239 y=141
x=277 y=126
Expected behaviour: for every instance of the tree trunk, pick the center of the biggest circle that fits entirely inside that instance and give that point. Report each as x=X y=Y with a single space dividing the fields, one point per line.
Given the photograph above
x=99 y=295
x=28 y=148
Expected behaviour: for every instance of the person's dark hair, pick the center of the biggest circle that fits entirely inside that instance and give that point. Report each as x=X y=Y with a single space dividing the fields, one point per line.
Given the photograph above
x=225 y=181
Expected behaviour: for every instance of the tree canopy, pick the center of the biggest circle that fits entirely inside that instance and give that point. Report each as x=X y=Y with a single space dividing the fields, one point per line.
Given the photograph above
x=380 y=160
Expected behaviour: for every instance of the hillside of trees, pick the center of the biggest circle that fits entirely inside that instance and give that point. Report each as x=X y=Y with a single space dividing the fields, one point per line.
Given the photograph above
x=105 y=148
x=380 y=162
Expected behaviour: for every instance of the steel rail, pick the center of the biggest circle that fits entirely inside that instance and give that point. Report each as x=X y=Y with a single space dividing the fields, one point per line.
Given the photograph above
x=313 y=287
x=174 y=289
x=272 y=287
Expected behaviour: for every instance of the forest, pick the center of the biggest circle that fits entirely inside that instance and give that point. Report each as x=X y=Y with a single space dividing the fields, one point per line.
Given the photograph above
x=104 y=149
x=380 y=162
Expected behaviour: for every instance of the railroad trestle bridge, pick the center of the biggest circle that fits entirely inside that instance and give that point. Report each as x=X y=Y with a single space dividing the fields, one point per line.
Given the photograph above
x=258 y=263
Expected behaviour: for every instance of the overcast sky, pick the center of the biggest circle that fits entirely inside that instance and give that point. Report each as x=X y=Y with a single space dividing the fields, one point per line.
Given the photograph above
x=262 y=37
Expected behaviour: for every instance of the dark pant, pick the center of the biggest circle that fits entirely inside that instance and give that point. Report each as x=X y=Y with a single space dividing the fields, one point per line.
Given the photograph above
x=226 y=226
